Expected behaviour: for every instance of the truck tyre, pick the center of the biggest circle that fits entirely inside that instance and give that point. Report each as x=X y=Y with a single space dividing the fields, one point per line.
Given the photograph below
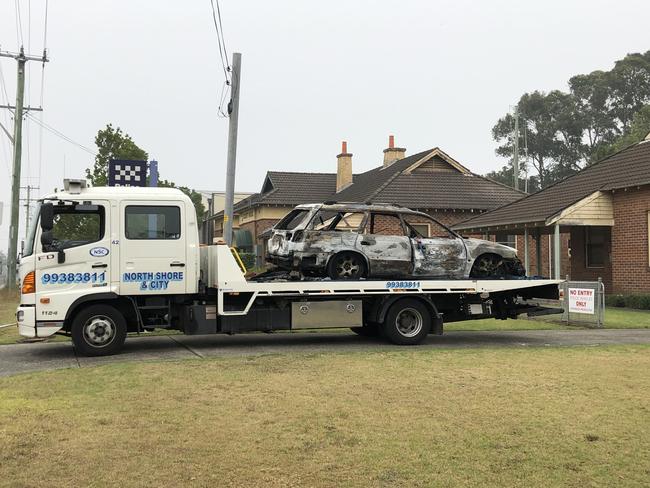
x=98 y=330
x=407 y=322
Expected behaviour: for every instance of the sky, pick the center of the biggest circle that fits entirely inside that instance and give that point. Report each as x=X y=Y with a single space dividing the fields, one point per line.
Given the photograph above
x=433 y=73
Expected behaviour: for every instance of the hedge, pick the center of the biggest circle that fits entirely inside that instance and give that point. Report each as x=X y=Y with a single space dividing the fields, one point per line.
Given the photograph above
x=640 y=302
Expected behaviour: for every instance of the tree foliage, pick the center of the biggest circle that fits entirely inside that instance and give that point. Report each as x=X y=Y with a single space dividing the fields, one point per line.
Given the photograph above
x=602 y=111
x=113 y=143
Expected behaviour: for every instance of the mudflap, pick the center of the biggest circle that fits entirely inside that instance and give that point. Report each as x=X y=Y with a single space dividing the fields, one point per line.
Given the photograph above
x=436 y=325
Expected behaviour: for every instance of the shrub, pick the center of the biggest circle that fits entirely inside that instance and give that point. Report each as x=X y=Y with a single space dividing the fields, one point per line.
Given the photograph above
x=640 y=302
x=249 y=259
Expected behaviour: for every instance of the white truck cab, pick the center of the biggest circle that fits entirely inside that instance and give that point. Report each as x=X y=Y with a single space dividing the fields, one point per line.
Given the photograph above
x=88 y=245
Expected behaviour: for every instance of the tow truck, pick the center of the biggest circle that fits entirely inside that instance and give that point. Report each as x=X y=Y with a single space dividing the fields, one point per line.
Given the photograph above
x=101 y=262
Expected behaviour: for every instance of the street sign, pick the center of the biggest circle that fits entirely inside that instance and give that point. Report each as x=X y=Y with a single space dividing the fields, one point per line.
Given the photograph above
x=582 y=300
x=127 y=173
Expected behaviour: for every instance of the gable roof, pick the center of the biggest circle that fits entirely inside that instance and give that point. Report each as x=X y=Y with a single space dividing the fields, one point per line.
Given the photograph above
x=409 y=182
x=627 y=168
x=430 y=179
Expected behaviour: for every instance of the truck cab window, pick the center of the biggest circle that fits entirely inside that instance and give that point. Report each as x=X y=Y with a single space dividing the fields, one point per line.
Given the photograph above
x=152 y=222
x=73 y=228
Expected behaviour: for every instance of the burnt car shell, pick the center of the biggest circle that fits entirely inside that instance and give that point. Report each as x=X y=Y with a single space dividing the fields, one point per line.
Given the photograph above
x=310 y=235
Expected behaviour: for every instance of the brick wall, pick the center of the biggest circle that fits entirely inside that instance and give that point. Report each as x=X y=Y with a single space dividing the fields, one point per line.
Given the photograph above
x=630 y=270
x=579 y=269
x=543 y=270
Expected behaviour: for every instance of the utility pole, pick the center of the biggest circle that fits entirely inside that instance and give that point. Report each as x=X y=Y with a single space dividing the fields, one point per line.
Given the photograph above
x=515 y=159
x=28 y=203
x=22 y=59
x=233 y=110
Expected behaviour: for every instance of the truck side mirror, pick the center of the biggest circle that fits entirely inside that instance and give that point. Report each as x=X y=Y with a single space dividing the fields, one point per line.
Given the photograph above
x=46 y=240
x=47 y=217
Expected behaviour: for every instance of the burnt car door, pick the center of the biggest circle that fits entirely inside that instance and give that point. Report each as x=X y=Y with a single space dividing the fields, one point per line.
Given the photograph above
x=438 y=252
x=384 y=242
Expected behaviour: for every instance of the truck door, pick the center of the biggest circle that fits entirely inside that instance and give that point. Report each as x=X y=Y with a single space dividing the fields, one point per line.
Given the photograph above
x=77 y=262
x=153 y=248
x=385 y=245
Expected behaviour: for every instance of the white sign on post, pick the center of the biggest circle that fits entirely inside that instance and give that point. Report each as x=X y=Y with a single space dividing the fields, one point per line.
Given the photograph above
x=582 y=300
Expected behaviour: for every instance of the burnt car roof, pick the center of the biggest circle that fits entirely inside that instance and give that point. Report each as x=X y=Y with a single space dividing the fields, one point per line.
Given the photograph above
x=362 y=207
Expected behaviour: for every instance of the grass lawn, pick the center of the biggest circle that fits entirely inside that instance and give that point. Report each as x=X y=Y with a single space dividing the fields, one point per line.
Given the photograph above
x=534 y=417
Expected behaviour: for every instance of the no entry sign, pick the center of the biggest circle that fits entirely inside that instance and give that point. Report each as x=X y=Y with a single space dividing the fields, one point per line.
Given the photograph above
x=582 y=300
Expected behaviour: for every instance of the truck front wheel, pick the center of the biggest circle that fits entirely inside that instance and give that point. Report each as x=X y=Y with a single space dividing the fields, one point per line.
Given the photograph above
x=98 y=330
x=407 y=322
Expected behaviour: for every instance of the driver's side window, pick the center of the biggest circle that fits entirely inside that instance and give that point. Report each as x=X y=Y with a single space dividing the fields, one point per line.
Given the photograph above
x=73 y=228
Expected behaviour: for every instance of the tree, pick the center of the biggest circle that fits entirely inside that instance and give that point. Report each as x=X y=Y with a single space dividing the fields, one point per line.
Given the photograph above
x=639 y=129
x=567 y=131
x=112 y=144
x=630 y=87
x=540 y=127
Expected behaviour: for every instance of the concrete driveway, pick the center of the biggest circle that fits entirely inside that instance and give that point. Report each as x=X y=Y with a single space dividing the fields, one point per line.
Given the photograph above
x=19 y=358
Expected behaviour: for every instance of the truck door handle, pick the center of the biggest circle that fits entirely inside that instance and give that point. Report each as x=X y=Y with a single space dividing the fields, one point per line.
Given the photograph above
x=100 y=265
x=177 y=264
x=365 y=243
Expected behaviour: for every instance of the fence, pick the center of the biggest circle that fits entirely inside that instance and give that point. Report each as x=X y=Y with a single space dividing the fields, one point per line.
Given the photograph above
x=584 y=302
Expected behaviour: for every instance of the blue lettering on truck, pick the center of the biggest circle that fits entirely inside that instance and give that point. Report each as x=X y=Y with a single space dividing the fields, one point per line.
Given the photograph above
x=71 y=278
x=153 y=281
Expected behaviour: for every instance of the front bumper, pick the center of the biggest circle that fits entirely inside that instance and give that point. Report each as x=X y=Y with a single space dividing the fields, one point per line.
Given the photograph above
x=27 y=326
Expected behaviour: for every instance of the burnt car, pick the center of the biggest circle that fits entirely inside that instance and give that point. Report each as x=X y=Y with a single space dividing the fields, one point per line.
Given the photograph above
x=356 y=241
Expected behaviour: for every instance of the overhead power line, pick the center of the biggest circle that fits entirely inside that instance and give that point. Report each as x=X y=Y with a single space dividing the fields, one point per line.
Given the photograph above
x=60 y=134
x=218 y=27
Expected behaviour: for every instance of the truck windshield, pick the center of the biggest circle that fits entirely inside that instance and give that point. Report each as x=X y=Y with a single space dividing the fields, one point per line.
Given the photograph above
x=31 y=233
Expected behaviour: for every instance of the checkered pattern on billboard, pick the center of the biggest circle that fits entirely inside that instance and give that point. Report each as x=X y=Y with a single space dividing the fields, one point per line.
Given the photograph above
x=127 y=173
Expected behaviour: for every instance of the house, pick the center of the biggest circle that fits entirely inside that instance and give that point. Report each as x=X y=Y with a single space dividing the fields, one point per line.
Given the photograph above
x=604 y=212
x=214 y=202
x=429 y=181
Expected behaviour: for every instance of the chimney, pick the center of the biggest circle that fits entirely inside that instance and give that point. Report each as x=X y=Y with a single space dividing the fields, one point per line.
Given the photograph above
x=392 y=153
x=343 y=168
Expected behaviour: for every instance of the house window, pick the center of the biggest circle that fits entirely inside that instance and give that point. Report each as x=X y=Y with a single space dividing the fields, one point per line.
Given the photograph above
x=595 y=247
x=422 y=229
x=506 y=239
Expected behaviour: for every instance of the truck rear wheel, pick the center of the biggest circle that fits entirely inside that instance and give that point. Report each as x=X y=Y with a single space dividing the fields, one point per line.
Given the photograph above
x=98 y=330
x=407 y=322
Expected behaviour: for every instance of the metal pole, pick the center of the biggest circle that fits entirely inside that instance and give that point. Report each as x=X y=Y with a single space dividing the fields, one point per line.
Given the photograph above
x=538 y=250
x=233 y=110
x=526 y=252
x=556 y=251
x=29 y=191
x=515 y=158
x=153 y=173
x=12 y=257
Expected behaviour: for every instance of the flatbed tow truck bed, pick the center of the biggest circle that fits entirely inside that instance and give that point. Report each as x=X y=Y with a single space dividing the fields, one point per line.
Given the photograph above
x=363 y=305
